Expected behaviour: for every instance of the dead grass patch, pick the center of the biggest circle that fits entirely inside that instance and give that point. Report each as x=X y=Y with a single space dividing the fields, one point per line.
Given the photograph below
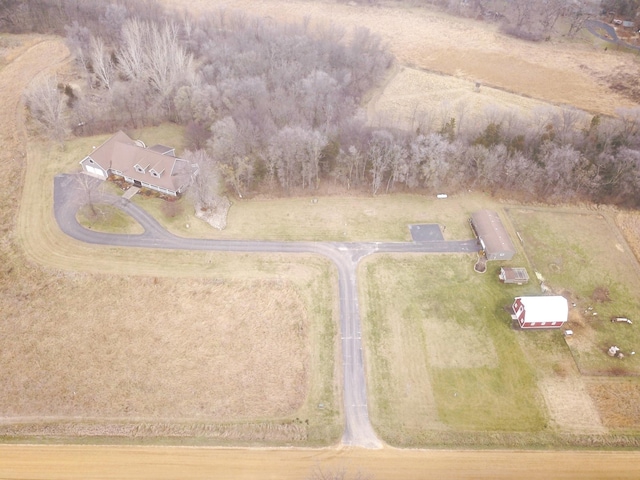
x=629 y=224
x=164 y=348
x=601 y=294
x=570 y=407
x=618 y=402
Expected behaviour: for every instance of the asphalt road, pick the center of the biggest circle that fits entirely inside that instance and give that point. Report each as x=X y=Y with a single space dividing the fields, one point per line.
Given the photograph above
x=596 y=27
x=68 y=197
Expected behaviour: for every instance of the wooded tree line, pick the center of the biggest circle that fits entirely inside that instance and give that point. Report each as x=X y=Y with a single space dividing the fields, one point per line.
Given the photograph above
x=528 y=19
x=271 y=106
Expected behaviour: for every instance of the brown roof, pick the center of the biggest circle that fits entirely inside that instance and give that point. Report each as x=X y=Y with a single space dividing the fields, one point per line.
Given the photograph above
x=514 y=274
x=146 y=165
x=491 y=231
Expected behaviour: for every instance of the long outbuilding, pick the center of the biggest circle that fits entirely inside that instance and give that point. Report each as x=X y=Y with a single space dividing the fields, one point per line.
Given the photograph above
x=493 y=237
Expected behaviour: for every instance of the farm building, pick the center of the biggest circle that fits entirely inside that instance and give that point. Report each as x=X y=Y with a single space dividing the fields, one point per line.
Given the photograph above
x=156 y=168
x=513 y=275
x=492 y=235
x=550 y=311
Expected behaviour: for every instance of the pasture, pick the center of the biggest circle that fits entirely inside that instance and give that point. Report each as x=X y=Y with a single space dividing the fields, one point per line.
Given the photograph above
x=447 y=367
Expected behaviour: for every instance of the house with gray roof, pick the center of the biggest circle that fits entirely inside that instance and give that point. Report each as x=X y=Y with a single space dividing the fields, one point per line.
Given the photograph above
x=156 y=168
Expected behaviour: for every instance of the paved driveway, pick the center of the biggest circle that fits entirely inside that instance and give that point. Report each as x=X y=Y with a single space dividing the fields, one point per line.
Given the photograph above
x=358 y=430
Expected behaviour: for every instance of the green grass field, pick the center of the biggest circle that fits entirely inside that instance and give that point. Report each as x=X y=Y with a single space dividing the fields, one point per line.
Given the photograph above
x=441 y=352
x=583 y=256
x=446 y=367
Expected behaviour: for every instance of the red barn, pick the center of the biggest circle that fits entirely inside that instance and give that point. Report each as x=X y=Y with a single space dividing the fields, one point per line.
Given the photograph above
x=549 y=311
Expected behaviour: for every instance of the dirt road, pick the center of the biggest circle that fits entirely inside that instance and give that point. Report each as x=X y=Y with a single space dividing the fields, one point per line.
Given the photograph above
x=158 y=463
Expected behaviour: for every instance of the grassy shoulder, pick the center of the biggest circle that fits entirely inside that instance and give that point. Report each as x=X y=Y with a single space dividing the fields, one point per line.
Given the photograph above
x=326 y=218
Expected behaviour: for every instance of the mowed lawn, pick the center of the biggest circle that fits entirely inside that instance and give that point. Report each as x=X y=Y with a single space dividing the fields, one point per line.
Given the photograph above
x=440 y=350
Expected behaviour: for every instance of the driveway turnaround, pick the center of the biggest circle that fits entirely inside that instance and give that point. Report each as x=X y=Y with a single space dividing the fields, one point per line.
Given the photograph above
x=345 y=255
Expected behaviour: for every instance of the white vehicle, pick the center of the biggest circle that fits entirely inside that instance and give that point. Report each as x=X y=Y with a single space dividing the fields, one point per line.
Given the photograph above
x=621 y=320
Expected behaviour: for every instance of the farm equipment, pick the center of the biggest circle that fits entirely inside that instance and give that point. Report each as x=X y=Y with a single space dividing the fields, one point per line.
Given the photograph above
x=621 y=320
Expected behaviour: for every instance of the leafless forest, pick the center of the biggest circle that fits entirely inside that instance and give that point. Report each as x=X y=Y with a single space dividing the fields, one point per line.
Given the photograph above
x=275 y=107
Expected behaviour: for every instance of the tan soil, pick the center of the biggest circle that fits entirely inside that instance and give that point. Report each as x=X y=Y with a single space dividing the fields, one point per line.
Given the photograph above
x=139 y=463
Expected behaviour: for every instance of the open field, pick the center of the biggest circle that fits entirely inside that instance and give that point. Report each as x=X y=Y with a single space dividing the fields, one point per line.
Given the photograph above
x=331 y=218
x=449 y=370
x=161 y=463
x=421 y=100
x=583 y=257
x=442 y=358
x=153 y=356
x=576 y=73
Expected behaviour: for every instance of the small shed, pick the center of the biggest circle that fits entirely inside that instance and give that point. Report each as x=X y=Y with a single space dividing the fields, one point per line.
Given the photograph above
x=492 y=235
x=515 y=275
x=547 y=311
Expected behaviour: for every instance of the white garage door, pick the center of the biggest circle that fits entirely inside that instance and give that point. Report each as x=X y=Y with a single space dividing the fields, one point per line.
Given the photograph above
x=95 y=171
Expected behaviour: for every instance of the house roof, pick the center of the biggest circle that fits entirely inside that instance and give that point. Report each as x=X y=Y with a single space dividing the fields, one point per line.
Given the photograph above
x=546 y=308
x=146 y=165
x=491 y=231
x=514 y=273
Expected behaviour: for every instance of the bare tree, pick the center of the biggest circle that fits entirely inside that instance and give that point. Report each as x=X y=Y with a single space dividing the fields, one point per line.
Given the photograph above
x=380 y=144
x=46 y=104
x=103 y=67
x=205 y=187
x=577 y=13
x=78 y=38
x=629 y=121
x=549 y=12
x=87 y=187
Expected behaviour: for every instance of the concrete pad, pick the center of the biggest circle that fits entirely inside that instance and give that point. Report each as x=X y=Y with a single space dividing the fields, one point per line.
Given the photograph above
x=426 y=232
x=131 y=191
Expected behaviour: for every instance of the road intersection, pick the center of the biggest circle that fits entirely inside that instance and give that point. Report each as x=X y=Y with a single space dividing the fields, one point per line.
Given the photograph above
x=345 y=255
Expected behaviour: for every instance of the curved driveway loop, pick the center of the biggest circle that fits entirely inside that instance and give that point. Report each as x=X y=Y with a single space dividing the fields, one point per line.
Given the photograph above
x=358 y=430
